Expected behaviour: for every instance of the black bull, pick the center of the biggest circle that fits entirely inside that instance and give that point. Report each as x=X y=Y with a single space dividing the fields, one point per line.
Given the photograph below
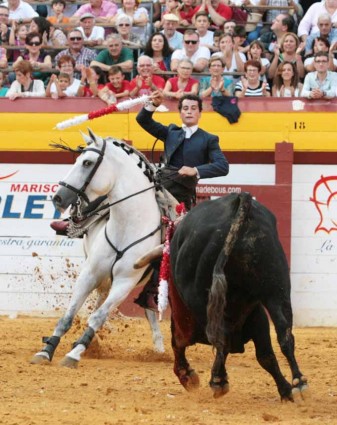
x=228 y=266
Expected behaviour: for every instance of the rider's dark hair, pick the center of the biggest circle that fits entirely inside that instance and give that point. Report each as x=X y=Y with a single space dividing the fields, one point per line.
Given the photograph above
x=190 y=97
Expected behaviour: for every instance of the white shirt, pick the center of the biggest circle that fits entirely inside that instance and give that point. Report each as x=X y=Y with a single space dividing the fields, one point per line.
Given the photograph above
x=69 y=91
x=308 y=23
x=189 y=131
x=202 y=53
x=38 y=89
x=207 y=39
x=97 y=33
x=23 y=11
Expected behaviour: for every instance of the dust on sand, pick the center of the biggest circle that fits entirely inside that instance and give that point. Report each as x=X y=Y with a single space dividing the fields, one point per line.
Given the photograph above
x=122 y=381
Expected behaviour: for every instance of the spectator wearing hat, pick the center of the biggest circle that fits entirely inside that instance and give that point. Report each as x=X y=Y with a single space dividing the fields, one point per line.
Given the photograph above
x=170 y=25
x=92 y=34
x=82 y=55
x=115 y=54
x=103 y=10
x=198 y=55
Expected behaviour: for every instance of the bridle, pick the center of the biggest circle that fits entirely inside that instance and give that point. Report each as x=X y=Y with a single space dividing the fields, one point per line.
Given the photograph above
x=81 y=192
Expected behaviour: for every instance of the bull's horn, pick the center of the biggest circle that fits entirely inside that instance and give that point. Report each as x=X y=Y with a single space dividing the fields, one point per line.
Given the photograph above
x=146 y=259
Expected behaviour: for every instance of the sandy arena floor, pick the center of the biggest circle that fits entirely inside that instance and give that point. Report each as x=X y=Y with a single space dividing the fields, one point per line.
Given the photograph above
x=122 y=381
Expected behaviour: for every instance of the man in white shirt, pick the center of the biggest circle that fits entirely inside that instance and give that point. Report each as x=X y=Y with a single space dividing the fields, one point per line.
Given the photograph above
x=92 y=34
x=20 y=11
x=198 y=55
x=170 y=25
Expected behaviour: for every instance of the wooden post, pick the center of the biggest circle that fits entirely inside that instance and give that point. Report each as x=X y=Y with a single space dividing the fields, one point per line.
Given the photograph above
x=284 y=158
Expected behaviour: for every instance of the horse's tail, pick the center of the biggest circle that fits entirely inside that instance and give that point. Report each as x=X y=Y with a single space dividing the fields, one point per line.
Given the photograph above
x=215 y=329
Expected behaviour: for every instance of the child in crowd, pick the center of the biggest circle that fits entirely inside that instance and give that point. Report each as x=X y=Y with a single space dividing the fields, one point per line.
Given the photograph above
x=3 y=57
x=58 y=17
x=216 y=38
x=117 y=83
x=62 y=82
x=256 y=52
x=3 y=80
x=17 y=37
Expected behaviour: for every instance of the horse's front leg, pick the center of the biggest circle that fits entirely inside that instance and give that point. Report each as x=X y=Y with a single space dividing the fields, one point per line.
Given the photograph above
x=85 y=284
x=119 y=292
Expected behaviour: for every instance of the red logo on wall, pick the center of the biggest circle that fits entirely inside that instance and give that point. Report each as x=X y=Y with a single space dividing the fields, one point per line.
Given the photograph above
x=325 y=200
x=8 y=176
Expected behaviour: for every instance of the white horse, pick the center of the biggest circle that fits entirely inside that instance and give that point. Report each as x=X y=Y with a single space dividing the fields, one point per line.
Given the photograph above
x=109 y=167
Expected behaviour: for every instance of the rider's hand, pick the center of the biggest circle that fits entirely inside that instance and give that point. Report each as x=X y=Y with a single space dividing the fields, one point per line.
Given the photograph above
x=157 y=98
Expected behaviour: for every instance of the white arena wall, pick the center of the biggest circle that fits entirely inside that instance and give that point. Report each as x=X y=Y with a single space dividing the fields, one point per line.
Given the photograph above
x=38 y=268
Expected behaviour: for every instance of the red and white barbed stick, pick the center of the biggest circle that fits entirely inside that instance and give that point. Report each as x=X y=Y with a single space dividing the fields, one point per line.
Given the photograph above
x=122 y=106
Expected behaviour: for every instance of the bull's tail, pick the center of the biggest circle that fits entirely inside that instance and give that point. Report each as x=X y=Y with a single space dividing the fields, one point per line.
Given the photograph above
x=215 y=329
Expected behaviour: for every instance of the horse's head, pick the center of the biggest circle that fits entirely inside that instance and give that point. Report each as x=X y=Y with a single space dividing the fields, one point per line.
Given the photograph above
x=86 y=181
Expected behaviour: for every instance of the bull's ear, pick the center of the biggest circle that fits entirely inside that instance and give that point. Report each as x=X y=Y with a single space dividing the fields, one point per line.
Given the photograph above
x=94 y=138
x=86 y=138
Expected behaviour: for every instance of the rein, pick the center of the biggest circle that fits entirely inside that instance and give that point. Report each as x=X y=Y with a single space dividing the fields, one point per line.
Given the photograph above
x=155 y=186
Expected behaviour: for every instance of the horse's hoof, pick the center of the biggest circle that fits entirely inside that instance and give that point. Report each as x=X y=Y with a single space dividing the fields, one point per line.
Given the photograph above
x=220 y=391
x=39 y=359
x=69 y=362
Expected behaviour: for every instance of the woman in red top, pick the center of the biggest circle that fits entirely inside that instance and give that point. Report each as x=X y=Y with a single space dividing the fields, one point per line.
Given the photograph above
x=182 y=84
x=159 y=50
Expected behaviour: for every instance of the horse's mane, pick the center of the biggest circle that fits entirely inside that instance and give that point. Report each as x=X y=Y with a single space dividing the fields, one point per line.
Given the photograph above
x=149 y=169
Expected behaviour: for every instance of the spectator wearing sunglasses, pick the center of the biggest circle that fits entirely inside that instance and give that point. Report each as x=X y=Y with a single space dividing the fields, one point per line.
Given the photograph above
x=198 y=55
x=92 y=34
x=124 y=28
x=83 y=56
x=35 y=56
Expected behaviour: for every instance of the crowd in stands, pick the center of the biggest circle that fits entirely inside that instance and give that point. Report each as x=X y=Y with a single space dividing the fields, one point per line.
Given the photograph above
x=126 y=48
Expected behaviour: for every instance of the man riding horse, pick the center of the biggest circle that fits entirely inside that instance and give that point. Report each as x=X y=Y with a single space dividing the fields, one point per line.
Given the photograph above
x=190 y=154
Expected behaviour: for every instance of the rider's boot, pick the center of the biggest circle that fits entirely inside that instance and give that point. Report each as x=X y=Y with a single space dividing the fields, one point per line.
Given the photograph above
x=60 y=227
x=148 y=298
